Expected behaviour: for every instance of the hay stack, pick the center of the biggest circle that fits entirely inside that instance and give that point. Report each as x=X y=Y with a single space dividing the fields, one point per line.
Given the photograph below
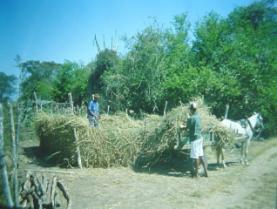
x=114 y=143
x=56 y=135
x=120 y=140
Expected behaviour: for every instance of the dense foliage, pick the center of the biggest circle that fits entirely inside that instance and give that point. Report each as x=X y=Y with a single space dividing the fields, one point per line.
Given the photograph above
x=230 y=60
x=7 y=86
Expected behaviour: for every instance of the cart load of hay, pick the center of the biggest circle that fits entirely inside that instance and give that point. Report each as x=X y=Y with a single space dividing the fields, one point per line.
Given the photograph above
x=159 y=143
x=120 y=140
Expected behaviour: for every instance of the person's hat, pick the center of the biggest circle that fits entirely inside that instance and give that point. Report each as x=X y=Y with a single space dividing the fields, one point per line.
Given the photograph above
x=193 y=105
x=96 y=96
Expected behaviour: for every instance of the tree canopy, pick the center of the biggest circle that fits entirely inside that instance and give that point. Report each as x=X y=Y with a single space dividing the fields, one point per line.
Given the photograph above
x=230 y=60
x=7 y=86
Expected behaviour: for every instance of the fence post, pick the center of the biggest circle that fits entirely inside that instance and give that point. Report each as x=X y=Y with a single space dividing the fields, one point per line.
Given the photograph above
x=165 y=106
x=108 y=109
x=36 y=101
x=14 y=157
x=226 y=111
x=17 y=143
x=79 y=160
x=5 y=180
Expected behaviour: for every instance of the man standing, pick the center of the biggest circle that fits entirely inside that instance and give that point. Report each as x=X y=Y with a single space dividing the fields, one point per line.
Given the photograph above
x=196 y=139
x=93 y=111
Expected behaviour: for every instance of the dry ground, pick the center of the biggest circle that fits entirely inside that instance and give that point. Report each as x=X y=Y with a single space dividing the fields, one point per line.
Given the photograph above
x=235 y=187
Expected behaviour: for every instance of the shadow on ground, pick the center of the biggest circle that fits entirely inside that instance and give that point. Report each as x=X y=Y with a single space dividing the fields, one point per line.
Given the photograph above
x=175 y=164
x=36 y=156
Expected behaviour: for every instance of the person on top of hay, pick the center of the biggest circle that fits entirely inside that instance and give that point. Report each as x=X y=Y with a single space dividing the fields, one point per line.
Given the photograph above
x=93 y=111
x=196 y=139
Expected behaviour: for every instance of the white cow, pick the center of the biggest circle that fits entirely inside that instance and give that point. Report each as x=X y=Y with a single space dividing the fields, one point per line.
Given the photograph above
x=244 y=134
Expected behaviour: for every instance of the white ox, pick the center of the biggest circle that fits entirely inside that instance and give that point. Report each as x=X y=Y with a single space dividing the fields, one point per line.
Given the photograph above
x=244 y=134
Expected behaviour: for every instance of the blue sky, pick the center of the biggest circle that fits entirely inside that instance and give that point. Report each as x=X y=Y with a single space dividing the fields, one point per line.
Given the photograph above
x=58 y=30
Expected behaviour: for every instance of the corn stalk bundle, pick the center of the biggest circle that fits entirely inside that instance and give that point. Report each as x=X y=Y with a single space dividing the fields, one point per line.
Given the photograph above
x=121 y=140
x=114 y=143
x=159 y=141
x=56 y=135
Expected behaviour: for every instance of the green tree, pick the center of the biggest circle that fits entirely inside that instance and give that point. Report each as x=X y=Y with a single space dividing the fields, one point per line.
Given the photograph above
x=7 y=86
x=209 y=47
x=105 y=61
x=134 y=81
x=144 y=69
x=252 y=60
x=71 y=77
x=241 y=50
x=37 y=77
x=176 y=86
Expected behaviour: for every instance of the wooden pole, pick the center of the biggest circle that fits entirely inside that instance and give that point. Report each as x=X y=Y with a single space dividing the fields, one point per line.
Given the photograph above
x=14 y=157
x=79 y=160
x=18 y=124
x=226 y=111
x=36 y=101
x=165 y=106
x=108 y=109
x=17 y=143
x=71 y=102
x=5 y=181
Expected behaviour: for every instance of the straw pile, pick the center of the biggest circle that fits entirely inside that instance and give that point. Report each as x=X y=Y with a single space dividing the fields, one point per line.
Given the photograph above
x=121 y=140
x=114 y=143
x=56 y=134
x=158 y=146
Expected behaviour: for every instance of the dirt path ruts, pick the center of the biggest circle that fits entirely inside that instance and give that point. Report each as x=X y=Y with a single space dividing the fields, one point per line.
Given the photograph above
x=245 y=190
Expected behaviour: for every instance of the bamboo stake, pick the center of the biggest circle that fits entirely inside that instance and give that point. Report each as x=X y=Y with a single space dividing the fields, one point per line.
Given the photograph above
x=14 y=154
x=79 y=160
x=5 y=181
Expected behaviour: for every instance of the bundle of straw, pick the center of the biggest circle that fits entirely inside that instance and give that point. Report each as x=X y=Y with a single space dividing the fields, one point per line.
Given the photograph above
x=159 y=143
x=56 y=135
x=113 y=143
x=121 y=140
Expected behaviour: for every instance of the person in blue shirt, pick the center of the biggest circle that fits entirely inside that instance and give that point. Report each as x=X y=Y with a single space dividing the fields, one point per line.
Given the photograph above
x=93 y=111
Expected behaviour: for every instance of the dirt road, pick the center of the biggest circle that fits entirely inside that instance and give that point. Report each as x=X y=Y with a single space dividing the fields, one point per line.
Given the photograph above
x=235 y=187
